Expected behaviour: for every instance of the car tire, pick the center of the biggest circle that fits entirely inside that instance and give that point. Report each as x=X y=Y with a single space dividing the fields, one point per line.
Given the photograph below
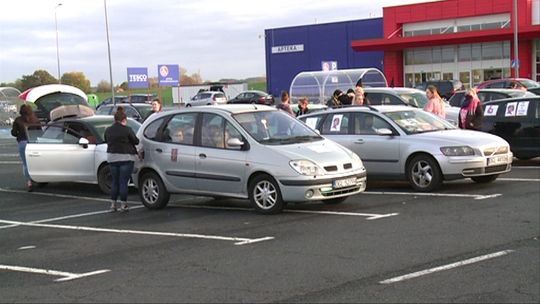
x=104 y=179
x=188 y=105
x=152 y=191
x=423 y=173
x=335 y=201
x=485 y=179
x=265 y=195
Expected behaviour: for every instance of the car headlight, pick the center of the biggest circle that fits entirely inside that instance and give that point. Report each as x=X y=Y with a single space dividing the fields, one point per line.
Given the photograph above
x=306 y=167
x=457 y=151
x=356 y=161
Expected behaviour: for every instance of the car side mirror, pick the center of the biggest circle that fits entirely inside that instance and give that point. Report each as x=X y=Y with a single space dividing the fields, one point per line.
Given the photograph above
x=84 y=142
x=384 y=131
x=234 y=142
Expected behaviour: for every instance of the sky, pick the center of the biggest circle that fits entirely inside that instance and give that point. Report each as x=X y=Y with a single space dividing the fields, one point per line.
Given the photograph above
x=215 y=38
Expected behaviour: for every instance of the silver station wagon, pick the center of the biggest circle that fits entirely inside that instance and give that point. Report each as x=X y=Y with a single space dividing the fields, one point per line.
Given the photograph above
x=253 y=152
x=404 y=143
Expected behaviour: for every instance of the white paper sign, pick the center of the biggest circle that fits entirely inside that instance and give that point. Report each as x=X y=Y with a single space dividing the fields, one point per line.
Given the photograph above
x=336 y=123
x=491 y=110
x=510 y=109
x=312 y=122
x=522 y=108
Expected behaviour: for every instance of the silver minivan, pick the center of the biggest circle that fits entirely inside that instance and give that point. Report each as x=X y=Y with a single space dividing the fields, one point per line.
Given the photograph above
x=253 y=152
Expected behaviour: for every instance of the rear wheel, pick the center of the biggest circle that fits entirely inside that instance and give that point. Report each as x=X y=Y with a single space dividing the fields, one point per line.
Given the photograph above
x=105 y=179
x=188 y=105
x=485 y=179
x=423 y=173
x=265 y=196
x=152 y=191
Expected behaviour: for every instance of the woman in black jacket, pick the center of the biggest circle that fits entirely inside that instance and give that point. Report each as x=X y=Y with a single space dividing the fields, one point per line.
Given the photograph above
x=26 y=121
x=121 y=156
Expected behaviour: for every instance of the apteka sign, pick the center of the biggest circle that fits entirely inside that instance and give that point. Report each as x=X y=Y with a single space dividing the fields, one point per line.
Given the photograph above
x=287 y=48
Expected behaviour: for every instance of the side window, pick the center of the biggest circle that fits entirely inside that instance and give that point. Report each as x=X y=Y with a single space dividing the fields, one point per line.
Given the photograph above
x=368 y=124
x=375 y=99
x=499 y=84
x=151 y=131
x=336 y=123
x=103 y=110
x=53 y=134
x=389 y=99
x=130 y=112
x=212 y=131
x=179 y=129
x=231 y=132
x=312 y=122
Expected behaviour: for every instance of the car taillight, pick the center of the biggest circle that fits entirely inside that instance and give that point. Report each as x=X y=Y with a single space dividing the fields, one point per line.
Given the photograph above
x=214 y=98
x=262 y=99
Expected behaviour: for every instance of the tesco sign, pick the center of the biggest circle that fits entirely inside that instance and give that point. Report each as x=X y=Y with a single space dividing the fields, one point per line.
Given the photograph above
x=137 y=78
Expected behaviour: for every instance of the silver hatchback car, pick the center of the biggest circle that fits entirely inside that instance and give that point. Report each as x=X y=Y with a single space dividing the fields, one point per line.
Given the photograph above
x=253 y=152
x=404 y=143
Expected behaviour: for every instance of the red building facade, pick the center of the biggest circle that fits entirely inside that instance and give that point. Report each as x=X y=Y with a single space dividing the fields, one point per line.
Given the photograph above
x=469 y=40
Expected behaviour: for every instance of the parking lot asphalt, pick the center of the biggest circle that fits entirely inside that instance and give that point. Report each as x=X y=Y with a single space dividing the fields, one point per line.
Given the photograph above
x=467 y=242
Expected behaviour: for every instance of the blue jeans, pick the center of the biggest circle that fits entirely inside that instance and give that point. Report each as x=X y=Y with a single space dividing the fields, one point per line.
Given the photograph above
x=22 y=149
x=121 y=172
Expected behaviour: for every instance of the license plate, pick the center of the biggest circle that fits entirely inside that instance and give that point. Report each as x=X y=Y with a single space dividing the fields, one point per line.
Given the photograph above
x=497 y=160
x=342 y=183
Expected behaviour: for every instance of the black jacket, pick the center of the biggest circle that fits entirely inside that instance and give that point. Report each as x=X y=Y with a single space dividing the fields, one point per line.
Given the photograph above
x=120 y=139
x=19 y=129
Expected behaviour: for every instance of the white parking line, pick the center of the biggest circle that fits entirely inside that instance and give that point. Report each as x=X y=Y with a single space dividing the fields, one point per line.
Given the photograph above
x=519 y=179
x=237 y=240
x=446 y=267
x=67 y=276
x=370 y=216
x=473 y=196
x=8 y=162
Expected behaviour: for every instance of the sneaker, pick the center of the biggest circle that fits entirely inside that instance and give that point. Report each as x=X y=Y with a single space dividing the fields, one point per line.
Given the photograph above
x=113 y=208
x=124 y=208
x=29 y=187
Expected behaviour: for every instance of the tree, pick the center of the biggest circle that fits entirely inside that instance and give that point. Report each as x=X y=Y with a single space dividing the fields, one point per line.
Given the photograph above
x=40 y=77
x=77 y=79
x=124 y=86
x=103 y=86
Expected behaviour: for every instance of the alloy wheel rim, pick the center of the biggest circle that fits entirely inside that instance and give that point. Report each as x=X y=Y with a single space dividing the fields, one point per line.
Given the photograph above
x=422 y=174
x=150 y=191
x=265 y=195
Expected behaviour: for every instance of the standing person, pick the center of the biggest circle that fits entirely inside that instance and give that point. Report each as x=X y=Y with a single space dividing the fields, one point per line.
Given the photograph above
x=121 y=155
x=334 y=101
x=285 y=104
x=360 y=97
x=26 y=121
x=435 y=103
x=156 y=105
x=302 y=106
x=471 y=112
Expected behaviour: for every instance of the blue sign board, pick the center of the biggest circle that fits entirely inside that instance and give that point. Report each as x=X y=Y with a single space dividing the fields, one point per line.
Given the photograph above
x=168 y=75
x=137 y=78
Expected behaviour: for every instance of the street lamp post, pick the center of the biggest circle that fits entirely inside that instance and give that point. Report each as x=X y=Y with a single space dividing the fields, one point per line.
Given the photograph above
x=109 y=50
x=57 y=49
x=516 y=49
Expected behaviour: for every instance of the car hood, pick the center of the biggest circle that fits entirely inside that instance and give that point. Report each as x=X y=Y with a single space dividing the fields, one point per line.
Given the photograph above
x=320 y=152
x=460 y=137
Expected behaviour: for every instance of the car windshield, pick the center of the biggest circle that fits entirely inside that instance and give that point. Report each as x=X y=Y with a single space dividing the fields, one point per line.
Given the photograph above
x=101 y=125
x=51 y=101
x=417 y=99
x=530 y=83
x=275 y=128
x=414 y=122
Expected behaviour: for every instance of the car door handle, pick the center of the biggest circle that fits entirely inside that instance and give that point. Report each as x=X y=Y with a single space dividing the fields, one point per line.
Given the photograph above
x=202 y=155
x=359 y=141
x=159 y=150
x=34 y=154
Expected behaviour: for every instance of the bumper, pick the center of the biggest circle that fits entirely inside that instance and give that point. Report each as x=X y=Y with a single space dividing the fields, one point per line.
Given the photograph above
x=321 y=189
x=463 y=167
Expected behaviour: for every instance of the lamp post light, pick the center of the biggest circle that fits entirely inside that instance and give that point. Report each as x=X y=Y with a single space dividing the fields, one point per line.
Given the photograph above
x=57 y=49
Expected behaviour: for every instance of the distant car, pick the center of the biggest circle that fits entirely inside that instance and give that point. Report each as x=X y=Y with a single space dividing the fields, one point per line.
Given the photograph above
x=206 y=98
x=108 y=101
x=405 y=96
x=486 y=95
x=241 y=151
x=48 y=97
x=405 y=143
x=254 y=97
x=517 y=120
x=72 y=150
x=140 y=98
x=137 y=111
x=506 y=83
x=446 y=88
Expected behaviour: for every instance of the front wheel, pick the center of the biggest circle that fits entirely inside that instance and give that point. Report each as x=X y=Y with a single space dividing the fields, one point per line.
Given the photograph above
x=188 y=105
x=265 y=196
x=105 y=179
x=485 y=179
x=152 y=191
x=423 y=173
